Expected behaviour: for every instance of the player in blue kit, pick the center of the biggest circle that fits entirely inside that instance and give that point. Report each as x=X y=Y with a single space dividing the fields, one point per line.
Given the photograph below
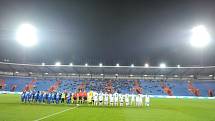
x=26 y=96
x=40 y=97
x=53 y=97
x=37 y=96
x=44 y=97
x=30 y=96
x=68 y=96
x=57 y=97
x=49 y=98
x=23 y=96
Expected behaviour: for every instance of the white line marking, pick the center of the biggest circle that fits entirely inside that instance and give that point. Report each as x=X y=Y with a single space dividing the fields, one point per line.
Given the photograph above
x=55 y=113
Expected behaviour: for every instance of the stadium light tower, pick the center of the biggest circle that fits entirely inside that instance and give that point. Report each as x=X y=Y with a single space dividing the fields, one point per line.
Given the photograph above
x=57 y=63
x=200 y=37
x=162 y=65
x=26 y=35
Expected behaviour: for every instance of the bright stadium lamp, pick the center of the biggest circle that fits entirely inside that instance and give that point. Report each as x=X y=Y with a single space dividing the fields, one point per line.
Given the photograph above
x=146 y=65
x=200 y=37
x=71 y=64
x=86 y=64
x=132 y=65
x=26 y=35
x=57 y=63
x=178 y=66
x=100 y=64
x=162 y=65
x=43 y=64
x=117 y=65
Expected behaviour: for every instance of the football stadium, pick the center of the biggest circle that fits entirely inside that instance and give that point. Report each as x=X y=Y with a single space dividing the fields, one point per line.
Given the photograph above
x=102 y=60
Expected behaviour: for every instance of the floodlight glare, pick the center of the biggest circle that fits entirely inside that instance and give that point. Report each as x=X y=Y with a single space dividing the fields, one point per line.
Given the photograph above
x=200 y=37
x=178 y=66
x=210 y=75
x=86 y=64
x=43 y=64
x=71 y=64
x=100 y=65
x=146 y=65
x=162 y=65
x=132 y=65
x=26 y=35
x=117 y=65
x=57 y=64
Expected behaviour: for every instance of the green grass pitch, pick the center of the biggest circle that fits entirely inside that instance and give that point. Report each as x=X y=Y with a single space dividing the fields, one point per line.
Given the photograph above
x=161 y=110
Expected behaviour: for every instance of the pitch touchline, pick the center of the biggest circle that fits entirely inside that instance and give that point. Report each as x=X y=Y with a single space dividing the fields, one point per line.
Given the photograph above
x=55 y=113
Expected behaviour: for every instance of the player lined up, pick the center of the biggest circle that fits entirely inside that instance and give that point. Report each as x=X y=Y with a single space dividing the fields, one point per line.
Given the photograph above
x=97 y=99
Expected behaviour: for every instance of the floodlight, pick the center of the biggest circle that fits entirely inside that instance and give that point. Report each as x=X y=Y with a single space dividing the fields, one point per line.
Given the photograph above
x=178 y=66
x=116 y=74
x=131 y=75
x=57 y=63
x=101 y=74
x=100 y=64
x=146 y=65
x=46 y=73
x=26 y=35
x=175 y=75
x=200 y=37
x=88 y=74
x=210 y=75
x=16 y=72
x=117 y=65
x=145 y=75
x=132 y=65
x=71 y=64
x=86 y=64
x=162 y=65
x=43 y=64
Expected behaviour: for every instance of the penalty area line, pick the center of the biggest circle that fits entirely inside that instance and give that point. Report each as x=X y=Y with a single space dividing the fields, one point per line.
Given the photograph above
x=55 y=113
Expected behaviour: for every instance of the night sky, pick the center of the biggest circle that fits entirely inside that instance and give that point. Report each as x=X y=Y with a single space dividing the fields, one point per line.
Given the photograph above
x=111 y=31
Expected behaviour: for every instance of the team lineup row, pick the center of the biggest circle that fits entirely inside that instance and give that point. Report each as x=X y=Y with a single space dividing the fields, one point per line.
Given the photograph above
x=94 y=98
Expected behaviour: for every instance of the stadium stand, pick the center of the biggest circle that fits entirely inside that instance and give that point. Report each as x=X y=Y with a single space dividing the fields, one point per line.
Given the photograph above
x=152 y=87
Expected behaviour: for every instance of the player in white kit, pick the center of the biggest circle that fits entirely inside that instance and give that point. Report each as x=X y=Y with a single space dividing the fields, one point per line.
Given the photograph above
x=111 y=99
x=147 y=100
x=121 y=100
x=139 y=100
x=100 y=98
x=116 y=99
x=126 y=100
x=106 y=100
x=133 y=99
x=95 y=98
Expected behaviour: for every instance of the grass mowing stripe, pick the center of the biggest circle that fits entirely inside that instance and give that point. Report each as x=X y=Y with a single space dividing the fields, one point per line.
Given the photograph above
x=55 y=113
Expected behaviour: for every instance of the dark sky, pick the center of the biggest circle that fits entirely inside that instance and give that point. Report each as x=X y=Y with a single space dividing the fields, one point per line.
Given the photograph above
x=111 y=31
